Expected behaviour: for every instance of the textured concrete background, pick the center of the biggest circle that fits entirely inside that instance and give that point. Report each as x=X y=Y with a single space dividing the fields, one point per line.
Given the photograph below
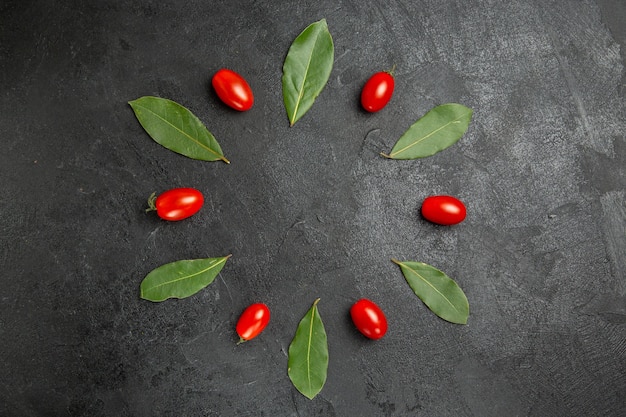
x=314 y=211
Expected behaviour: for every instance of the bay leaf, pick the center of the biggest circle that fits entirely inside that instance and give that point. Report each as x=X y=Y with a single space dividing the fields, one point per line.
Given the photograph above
x=176 y=128
x=308 y=354
x=439 y=292
x=180 y=279
x=437 y=130
x=306 y=69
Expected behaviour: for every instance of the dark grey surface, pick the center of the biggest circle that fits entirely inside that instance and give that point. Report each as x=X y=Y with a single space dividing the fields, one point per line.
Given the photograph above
x=313 y=211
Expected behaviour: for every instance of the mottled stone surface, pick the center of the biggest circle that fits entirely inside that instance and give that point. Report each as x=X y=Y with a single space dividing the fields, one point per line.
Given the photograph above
x=313 y=210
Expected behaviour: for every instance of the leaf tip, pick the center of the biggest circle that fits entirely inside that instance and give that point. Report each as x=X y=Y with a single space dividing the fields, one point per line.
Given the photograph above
x=133 y=103
x=144 y=296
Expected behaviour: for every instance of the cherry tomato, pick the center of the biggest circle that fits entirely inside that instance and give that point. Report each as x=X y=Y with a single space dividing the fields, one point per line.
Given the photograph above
x=233 y=89
x=177 y=203
x=369 y=319
x=252 y=321
x=443 y=209
x=377 y=91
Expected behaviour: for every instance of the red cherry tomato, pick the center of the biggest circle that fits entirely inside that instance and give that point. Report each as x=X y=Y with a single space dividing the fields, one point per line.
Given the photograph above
x=252 y=321
x=369 y=319
x=233 y=89
x=377 y=91
x=177 y=203
x=443 y=209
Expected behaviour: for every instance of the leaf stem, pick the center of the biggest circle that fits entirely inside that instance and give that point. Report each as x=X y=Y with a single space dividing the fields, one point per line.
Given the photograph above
x=385 y=155
x=223 y=158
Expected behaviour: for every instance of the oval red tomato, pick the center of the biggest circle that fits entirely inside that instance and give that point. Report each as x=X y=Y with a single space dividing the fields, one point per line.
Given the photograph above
x=233 y=89
x=377 y=91
x=369 y=319
x=252 y=321
x=177 y=203
x=443 y=209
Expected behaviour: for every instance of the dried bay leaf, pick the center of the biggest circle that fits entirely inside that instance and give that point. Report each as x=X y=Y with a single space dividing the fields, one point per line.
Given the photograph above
x=437 y=130
x=438 y=291
x=308 y=354
x=180 y=279
x=306 y=69
x=176 y=128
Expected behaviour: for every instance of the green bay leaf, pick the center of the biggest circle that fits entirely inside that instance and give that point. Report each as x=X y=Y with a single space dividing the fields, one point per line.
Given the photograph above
x=437 y=130
x=439 y=292
x=306 y=69
x=308 y=354
x=180 y=279
x=176 y=128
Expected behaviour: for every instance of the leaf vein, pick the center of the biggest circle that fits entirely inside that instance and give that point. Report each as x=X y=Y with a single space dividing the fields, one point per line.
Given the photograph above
x=432 y=286
x=306 y=72
x=197 y=141
x=308 y=353
x=457 y=120
x=187 y=276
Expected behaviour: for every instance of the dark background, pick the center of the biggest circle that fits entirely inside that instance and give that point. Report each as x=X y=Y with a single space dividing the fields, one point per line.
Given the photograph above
x=313 y=210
